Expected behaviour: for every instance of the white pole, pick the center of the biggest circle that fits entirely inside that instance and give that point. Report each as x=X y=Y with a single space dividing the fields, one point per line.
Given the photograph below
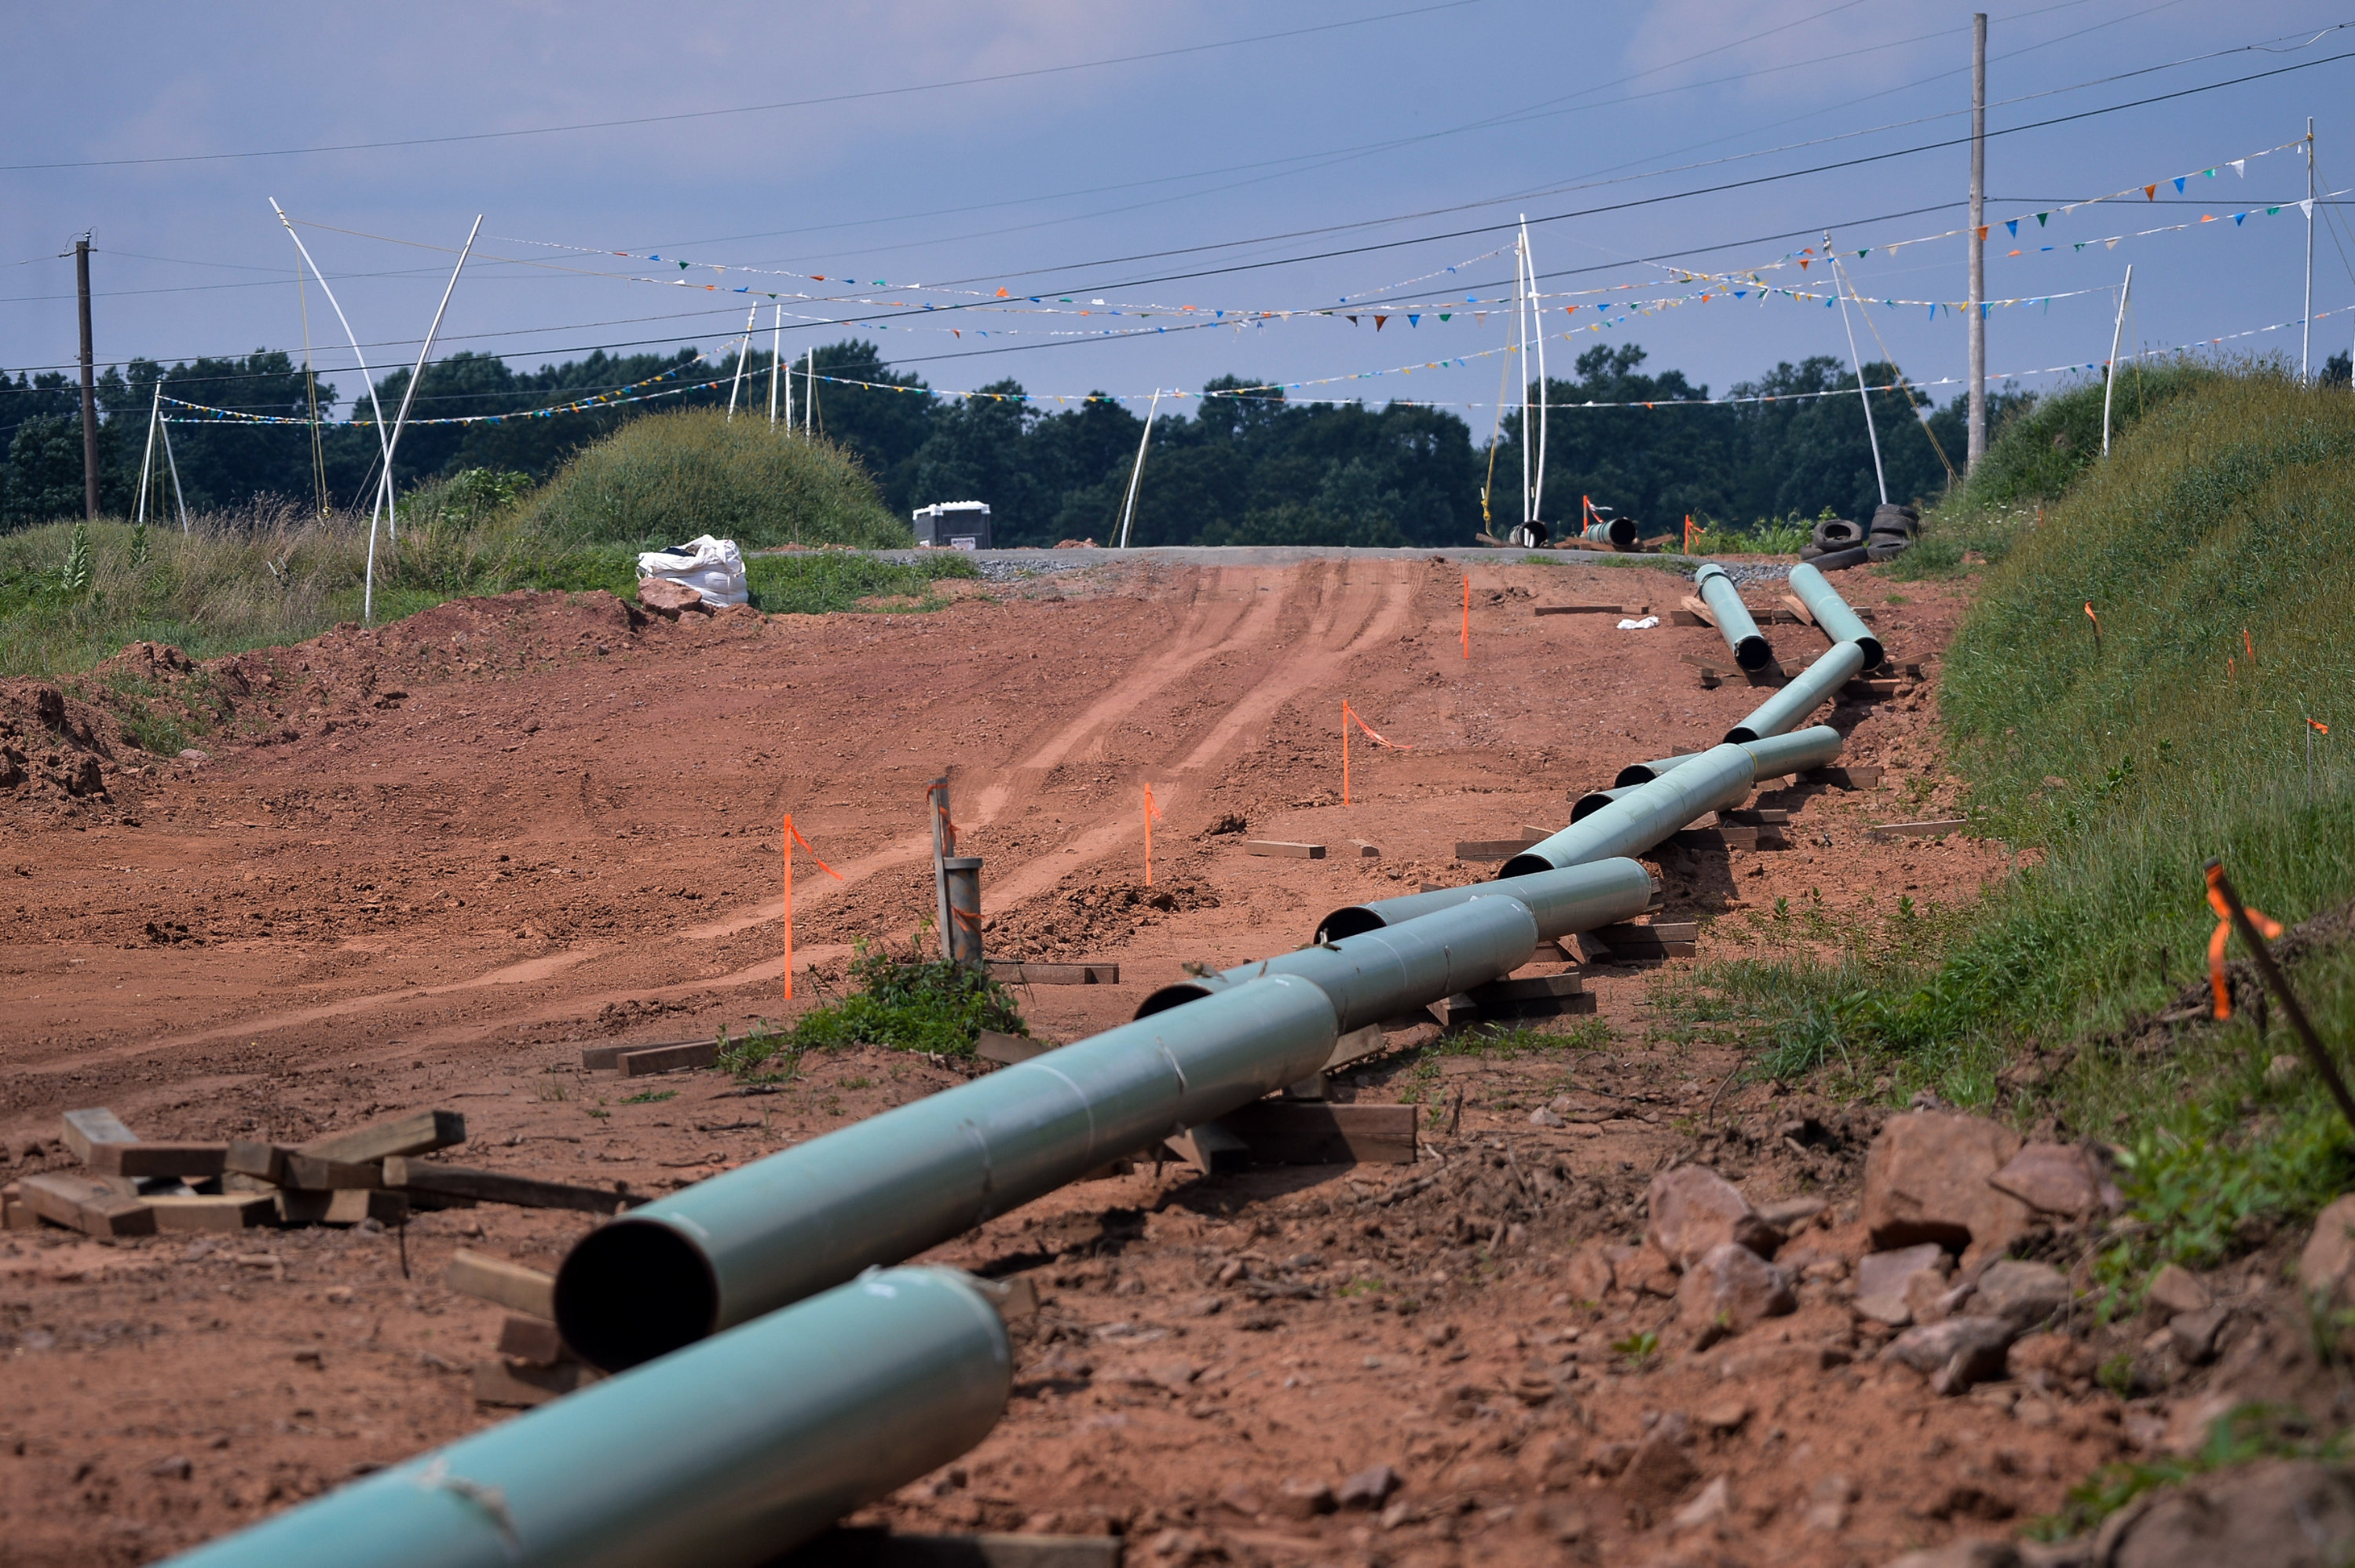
x=1128 y=511
x=408 y=393
x=809 y=392
x=1841 y=291
x=2111 y=384
x=179 y=496
x=148 y=458
x=1522 y=359
x=776 y=341
x=2306 y=327
x=743 y=352
x=1536 y=317
x=381 y=435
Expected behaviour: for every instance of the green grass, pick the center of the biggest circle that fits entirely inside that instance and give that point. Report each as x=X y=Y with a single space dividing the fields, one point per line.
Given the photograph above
x=2224 y=509
x=813 y=582
x=2246 y=1434
x=903 y=1002
x=669 y=477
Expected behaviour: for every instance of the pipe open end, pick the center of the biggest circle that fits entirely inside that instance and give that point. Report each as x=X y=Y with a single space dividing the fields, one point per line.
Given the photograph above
x=1741 y=735
x=1872 y=654
x=1751 y=653
x=1623 y=534
x=633 y=1290
x=1525 y=866
x=1590 y=802
x=1633 y=774
x=1354 y=921
x=1169 y=996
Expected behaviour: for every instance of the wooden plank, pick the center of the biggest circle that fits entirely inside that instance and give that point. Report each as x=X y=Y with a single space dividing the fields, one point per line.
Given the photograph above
x=95 y=1206
x=534 y=1341
x=1887 y=830
x=309 y=1173
x=1281 y=1133
x=877 y=1546
x=1359 y=849
x=1014 y=974
x=1527 y=987
x=262 y=1162
x=502 y=1283
x=1504 y=1000
x=407 y=1176
x=1355 y=1045
x=1005 y=1050
x=136 y=1159
x=212 y=1210
x=1283 y=850
x=1758 y=816
x=99 y=1125
x=14 y=1215
x=1848 y=776
x=656 y=1059
x=1594 y=610
x=1685 y=618
x=1872 y=689
x=345 y=1206
x=1493 y=849
x=418 y=1131
x=1731 y=835
x=608 y=1058
x=1597 y=952
x=1800 y=610
x=507 y=1383
x=1699 y=609
x=1209 y=1149
x=1627 y=932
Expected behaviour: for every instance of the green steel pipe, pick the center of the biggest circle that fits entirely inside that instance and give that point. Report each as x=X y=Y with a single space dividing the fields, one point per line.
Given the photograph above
x=1719 y=777
x=1382 y=973
x=1806 y=691
x=728 y=1452
x=1579 y=898
x=1733 y=619
x=1839 y=623
x=1645 y=773
x=1619 y=532
x=883 y=1190
x=1594 y=800
x=1772 y=756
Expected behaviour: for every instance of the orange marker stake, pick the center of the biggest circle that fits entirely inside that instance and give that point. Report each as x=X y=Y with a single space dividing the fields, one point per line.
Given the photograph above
x=1351 y=716
x=2223 y=934
x=1149 y=814
x=2248 y=647
x=793 y=836
x=1467 y=615
x=1688 y=533
x=2097 y=626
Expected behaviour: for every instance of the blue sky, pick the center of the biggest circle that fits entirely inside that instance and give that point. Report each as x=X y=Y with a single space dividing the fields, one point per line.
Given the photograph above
x=1383 y=141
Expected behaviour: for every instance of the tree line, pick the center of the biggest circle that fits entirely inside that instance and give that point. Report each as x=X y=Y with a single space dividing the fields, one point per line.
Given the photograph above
x=1252 y=467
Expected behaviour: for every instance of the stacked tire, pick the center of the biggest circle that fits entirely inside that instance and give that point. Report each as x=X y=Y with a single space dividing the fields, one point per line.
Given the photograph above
x=1838 y=542
x=1895 y=529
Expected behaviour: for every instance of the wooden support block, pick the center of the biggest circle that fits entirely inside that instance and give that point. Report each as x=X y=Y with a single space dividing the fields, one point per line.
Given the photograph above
x=1699 y=609
x=1628 y=934
x=157 y=1159
x=1636 y=610
x=1843 y=777
x=15 y=1214
x=1759 y=817
x=309 y=1173
x=877 y=1546
x=1869 y=689
x=1279 y=1133
x=418 y=1131
x=96 y=1206
x=1493 y=849
x=1005 y=1050
x=1535 y=996
x=1685 y=618
x=1887 y=830
x=656 y=1059
x=1353 y=1047
x=256 y=1161
x=1359 y=849
x=1283 y=850
x=1211 y=1149
x=534 y=1341
x=1453 y=1012
x=1014 y=974
x=502 y=1283
x=1634 y=949
x=608 y=1058
x=507 y=1383
x=212 y=1210
x=343 y=1206
x=84 y=1128
x=1730 y=835
x=417 y=1176
x=1800 y=610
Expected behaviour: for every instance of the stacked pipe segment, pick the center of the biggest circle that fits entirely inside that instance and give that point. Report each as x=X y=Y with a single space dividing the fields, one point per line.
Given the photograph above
x=876 y=1191
x=1578 y=898
x=1802 y=695
x=1719 y=778
x=1645 y=773
x=1733 y=619
x=1619 y=532
x=1594 y=800
x=726 y=1454
x=1838 y=623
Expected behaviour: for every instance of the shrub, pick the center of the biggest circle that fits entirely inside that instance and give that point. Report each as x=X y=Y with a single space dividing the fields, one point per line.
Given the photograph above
x=911 y=1003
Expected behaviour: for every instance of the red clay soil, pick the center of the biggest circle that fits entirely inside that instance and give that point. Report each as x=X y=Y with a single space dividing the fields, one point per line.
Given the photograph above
x=423 y=865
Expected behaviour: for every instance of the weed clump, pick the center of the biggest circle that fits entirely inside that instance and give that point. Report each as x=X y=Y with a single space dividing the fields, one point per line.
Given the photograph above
x=903 y=1002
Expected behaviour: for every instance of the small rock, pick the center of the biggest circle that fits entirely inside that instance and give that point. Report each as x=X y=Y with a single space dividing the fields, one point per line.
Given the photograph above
x=1714 y=1505
x=1827 y=1504
x=1926 y=1179
x=664 y=597
x=2326 y=1265
x=2194 y=1334
x=1209 y=1305
x=1299 y=1498
x=1543 y=1117
x=1647 y=1271
x=1370 y=1488
x=1242 y=1500
x=2176 y=1289
x=190 y=754
x=1588 y=1276
x=1693 y=1209
x=1725 y=1415
x=178 y=1467
x=1955 y=1353
x=1658 y=1472
x=1729 y=1289
x=2025 y=1295
x=2052 y=1178
x=1788 y=1214
x=1885 y=1280
x=2045 y=1358
x=2281 y=1069
x=2283 y=1513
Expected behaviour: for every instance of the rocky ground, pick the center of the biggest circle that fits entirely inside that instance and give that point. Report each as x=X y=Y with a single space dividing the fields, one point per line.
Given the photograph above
x=1624 y=1307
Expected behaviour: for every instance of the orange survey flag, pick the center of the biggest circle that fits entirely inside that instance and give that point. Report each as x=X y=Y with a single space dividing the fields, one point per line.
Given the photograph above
x=793 y=836
x=2222 y=935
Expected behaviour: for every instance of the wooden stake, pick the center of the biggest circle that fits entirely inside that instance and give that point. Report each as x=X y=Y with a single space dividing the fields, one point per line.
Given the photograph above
x=2263 y=957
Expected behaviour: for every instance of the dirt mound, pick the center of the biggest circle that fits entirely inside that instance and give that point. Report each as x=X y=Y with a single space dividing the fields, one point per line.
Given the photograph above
x=57 y=753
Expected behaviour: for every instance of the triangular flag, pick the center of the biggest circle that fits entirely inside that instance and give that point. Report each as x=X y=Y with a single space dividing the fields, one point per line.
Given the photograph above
x=2113 y=245
x=1353 y=321
x=1802 y=266
x=2012 y=224
x=1447 y=315
x=1983 y=229
x=2207 y=217
x=2040 y=218
x=2179 y=185
x=2307 y=206
x=2238 y=218
x=2150 y=192
x=1379 y=321
x=1413 y=320
x=2241 y=168
x=1001 y=293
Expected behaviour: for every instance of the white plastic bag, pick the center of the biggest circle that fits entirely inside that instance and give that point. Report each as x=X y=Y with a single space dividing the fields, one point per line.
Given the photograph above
x=713 y=568
x=1646 y=625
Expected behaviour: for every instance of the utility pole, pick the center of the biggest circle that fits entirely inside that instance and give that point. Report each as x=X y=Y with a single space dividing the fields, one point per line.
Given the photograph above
x=1977 y=447
x=2305 y=327
x=89 y=386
